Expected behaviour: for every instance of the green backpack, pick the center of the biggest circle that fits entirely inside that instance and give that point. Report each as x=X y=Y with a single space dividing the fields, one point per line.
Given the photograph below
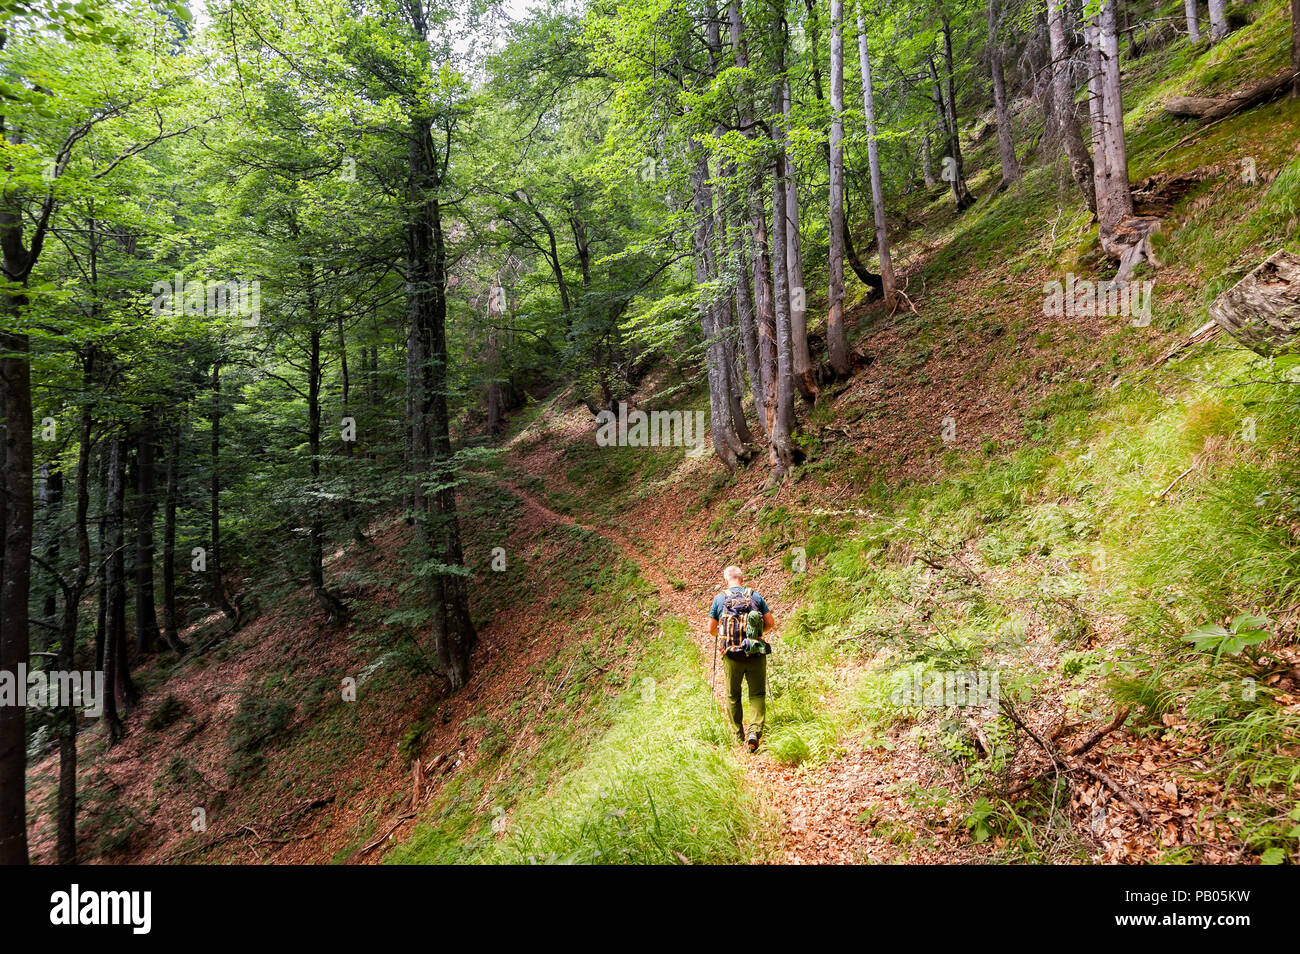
x=741 y=625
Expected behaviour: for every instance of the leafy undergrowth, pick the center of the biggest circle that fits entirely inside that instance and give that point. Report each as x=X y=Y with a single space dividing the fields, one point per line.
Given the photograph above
x=1113 y=524
x=644 y=777
x=1105 y=529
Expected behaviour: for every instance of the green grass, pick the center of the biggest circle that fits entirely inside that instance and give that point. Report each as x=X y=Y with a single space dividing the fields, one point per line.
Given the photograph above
x=649 y=776
x=1052 y=531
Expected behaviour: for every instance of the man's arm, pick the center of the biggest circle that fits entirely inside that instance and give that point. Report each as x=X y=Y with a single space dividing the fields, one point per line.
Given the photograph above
x=769 y=623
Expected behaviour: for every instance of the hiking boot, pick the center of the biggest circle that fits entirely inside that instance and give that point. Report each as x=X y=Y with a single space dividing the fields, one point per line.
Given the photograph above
x=752 y=741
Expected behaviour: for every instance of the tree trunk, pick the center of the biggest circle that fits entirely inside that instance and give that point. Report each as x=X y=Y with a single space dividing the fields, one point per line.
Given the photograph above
x=333 y=607
x=433 y=471
x=1063 y=104
x=733 y=331
x=216 y=581
x=116 y=676
x=888 y=285
x=947 y=101
x=1123 y=237
x=51 y=510
x=171 y=622
x=836 y=339
x=350 y=516
x=66 y=811
x=146 y=612
x=731 y=436
x=1218 y=20
x=758 y=263
x=1006 y=141
x=1295 y=47
x=16 y=513
x=1262 y=311
x=1193 y=24
x=101 y=588
x=495 y=396
x=927 y=160
x=782 y=446
x=725 y=440
x=803 y=379
x=745 y=315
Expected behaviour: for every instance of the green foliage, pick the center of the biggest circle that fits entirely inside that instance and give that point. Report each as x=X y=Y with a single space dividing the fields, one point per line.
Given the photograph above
x=648 y=778
x=1244 y=630
x=257 y=724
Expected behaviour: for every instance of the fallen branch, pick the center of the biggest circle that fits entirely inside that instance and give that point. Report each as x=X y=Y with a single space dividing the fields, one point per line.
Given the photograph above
x=385 y=836
x=1100 y=734
x=1062 y=767
x=1219 y=107
x=1175 y=481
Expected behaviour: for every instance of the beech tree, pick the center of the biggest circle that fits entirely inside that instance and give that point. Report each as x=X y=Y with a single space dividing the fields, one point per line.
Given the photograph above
x=1002 y=111
x=1063 y=109
x=888 y=286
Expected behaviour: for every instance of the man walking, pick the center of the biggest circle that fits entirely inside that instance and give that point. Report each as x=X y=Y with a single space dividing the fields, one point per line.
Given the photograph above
x=742 y=617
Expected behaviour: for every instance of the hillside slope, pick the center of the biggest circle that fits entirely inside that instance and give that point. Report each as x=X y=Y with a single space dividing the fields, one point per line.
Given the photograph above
x=1060 y=499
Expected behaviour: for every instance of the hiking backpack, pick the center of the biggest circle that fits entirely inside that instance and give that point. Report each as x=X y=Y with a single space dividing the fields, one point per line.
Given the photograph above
x=741 y=624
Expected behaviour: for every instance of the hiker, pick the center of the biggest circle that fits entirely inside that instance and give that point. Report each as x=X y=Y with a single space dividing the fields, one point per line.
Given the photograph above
x=744 y=619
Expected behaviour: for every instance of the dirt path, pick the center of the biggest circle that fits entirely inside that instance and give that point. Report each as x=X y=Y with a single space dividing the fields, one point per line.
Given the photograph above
x=820 y=810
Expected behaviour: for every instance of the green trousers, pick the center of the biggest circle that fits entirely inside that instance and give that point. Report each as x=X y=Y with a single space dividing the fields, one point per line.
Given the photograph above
x=738 y=670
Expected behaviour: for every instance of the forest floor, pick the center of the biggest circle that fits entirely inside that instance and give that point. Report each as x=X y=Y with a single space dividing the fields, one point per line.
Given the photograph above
x=819 y=810
x=1096 y=502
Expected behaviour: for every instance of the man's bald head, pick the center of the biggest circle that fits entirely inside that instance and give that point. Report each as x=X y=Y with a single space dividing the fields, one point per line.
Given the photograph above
x=733 y=575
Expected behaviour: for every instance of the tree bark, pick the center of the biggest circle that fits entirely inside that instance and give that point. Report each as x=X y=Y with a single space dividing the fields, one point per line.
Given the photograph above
x=1210 y=108
x=794 y=264
x=216 y=581
x=16 y=512
x=745 y=316
x=1063 y=104
x=726 y=443
x=782 y=444
x=333 y=607
x=946 y=100
x=1193 y=23
x=887 y=282
x=116 y=676
x=147 y=632
x=1218 y=20
x=51 y=509
x=927 y=159
x=1262 y=311
x=759 y=260
x=433 y=473
x=836 y=338
x=1006 y=141
x=171 y=621
x=1123 y=237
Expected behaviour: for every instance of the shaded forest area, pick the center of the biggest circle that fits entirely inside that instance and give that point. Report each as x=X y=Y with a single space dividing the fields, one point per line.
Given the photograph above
x=311 y=315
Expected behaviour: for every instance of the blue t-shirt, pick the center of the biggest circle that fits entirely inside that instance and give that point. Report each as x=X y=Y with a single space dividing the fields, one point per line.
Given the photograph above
x=715 y=611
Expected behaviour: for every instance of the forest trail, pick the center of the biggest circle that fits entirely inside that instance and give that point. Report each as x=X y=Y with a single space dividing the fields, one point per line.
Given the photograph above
x=820 y=811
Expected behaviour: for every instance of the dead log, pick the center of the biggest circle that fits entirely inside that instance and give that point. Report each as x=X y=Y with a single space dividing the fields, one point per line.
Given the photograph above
x=1262 y=311
x=1217 y=107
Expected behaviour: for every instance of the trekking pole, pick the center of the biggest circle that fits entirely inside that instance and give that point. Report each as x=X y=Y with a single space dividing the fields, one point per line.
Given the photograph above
x=713 y=679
